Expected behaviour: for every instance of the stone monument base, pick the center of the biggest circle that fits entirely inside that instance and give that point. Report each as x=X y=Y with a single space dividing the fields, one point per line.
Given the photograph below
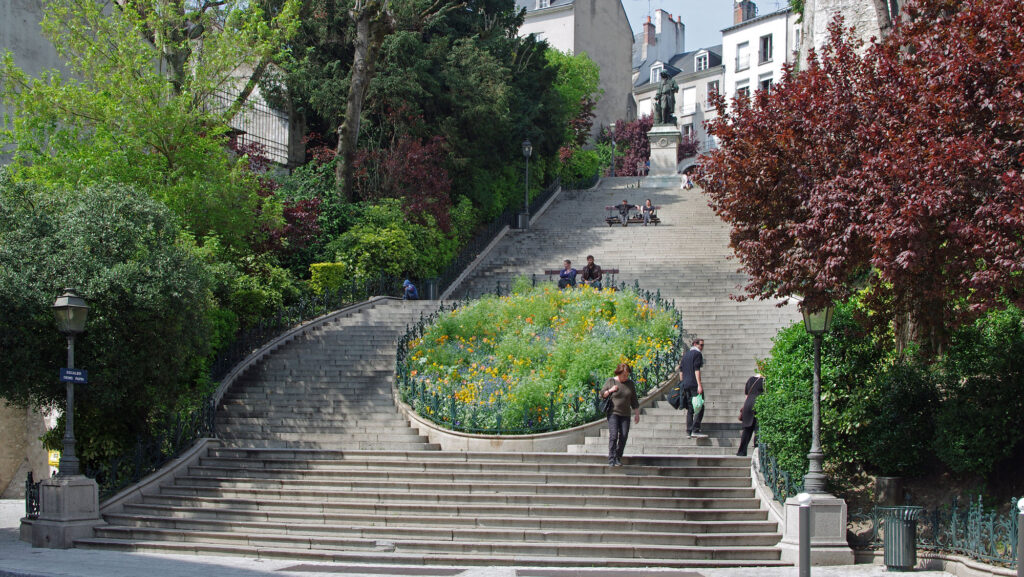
x=828 y=531
x=664 y=139
x=69 y=509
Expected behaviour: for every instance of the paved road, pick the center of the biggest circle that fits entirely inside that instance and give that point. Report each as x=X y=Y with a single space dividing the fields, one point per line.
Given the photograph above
x=18 y=559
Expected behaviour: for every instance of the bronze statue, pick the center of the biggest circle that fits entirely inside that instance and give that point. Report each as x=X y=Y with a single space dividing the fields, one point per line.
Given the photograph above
x=665 y=100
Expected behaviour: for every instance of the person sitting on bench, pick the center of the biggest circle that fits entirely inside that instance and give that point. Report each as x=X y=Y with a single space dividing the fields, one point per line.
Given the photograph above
x=567 y=278
x=647 y=210
x=592 y=273
x=624 y=209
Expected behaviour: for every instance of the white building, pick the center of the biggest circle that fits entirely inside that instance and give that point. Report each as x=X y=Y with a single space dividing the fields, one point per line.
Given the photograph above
x=755 y=48
x=598 y=28
x=870 y=18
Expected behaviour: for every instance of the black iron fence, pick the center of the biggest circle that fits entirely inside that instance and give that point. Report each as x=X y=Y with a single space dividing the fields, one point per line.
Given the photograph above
x=486 y=235
x=255 y=123
x=31 y=497
x=971 y=530
x=447 y=411
x=582 y=184
x=780 y=482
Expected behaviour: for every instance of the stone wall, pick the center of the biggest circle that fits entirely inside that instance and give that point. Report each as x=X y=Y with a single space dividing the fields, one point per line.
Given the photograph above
x=602 y=31
x=21 y=450
x=869 y=17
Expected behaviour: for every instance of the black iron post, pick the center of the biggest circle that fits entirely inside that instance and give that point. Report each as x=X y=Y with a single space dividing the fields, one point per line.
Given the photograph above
x=68 y=461
x=70 y=312
x=611 y=129
x=814 y=480
x=816 y=323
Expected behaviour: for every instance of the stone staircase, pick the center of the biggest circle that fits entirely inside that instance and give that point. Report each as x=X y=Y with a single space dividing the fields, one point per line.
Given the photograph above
x=444 y=508
x=317 y=464
x=687 y=258
x=330 y=388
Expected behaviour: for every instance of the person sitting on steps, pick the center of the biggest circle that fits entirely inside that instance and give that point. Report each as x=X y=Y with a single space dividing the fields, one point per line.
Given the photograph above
x=567 y=278
x=592 y=274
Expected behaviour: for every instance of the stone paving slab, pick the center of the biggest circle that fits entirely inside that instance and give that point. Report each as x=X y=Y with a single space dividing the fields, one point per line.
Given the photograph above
x=18 y=559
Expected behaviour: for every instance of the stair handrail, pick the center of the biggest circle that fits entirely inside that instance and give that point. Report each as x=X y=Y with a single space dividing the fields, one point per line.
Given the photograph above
x=486 y=235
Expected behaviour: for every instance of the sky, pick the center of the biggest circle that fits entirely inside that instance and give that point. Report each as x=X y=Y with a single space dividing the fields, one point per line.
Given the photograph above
x=704 y=19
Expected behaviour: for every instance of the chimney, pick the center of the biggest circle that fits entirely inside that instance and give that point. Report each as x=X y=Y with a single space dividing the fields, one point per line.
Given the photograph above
x=649 y=34
x=743 y=11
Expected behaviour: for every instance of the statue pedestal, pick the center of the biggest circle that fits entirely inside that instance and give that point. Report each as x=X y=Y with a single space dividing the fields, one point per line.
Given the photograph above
x=828 y=531
x=69 y=508
x=664 y=139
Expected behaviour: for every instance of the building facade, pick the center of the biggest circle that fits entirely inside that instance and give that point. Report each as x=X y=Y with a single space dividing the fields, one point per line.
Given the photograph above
x=598 y=28
x=871 y=19
x=755 y=49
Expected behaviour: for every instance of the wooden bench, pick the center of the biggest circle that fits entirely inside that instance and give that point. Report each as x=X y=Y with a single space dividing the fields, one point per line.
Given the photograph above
x=635 y=216
x=607 y=279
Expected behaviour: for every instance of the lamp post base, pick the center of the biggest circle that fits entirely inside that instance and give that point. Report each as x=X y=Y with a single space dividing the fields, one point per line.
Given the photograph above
x=523 y=221
x=827 y=529
x=69 y=509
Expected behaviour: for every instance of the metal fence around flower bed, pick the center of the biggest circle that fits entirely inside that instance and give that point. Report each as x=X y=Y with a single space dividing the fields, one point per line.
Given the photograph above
x=973 y=530
x=446 y=410
x=779 y=481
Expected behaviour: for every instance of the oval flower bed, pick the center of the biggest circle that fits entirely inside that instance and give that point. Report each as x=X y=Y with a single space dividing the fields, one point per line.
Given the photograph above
x=534 y=361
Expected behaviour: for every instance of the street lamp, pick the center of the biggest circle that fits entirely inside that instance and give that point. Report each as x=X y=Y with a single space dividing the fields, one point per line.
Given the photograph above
x=611 y=130
x=70 y=311
x=527 y=153
x=816 y=323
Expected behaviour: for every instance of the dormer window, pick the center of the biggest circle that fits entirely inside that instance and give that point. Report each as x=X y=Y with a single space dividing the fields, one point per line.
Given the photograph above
x=700 y=62
x=656 y=72
x=543 y=4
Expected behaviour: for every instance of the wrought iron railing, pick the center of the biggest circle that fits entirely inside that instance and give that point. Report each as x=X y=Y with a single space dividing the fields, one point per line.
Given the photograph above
x=486 y=235
x=446 y=411
x=256 y=123
x=974 y=531
x=31 y=497
x=778 y=480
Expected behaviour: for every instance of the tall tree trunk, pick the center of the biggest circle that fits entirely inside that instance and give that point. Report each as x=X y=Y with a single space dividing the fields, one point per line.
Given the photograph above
x=374 y=22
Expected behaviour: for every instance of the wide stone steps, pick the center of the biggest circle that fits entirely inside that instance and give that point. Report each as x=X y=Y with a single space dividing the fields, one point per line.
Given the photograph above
x=433 y=507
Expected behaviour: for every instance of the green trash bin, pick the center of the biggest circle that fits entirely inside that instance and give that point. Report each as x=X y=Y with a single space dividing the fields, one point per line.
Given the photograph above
x=900 y=536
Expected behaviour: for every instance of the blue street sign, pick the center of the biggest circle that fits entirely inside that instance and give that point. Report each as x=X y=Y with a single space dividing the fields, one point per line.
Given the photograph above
x=74 y=376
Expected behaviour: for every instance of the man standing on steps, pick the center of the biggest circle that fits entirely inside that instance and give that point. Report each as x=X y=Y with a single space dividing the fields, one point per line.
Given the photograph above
x=691 y=385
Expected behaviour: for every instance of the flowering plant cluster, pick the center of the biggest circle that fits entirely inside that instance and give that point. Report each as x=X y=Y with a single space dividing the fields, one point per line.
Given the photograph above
x=535 y=359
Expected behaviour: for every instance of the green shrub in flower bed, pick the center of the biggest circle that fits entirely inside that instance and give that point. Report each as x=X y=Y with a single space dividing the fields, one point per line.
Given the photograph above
x=534 y=361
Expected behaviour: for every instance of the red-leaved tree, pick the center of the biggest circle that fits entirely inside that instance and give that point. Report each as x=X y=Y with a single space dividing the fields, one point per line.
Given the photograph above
x=897 y=169
x=633 y=148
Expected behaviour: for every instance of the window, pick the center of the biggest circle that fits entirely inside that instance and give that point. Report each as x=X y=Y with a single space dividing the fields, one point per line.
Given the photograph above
x=656 y=73
x=543 y=4
x=796 y=39
x=765 y=82
x=688 y=132
x=700 y=62
x=743 y=56
x=743 y=88
x=713 y=88
x=689 y=101
x=765 y=52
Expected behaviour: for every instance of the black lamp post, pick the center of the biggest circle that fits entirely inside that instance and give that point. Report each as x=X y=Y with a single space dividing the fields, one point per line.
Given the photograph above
x=70 y=312
x=817 y=323
x=611 y=130
x=527 y=153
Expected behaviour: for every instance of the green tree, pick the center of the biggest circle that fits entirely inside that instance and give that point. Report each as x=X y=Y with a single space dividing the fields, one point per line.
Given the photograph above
x=140 y=105
x=146 y=340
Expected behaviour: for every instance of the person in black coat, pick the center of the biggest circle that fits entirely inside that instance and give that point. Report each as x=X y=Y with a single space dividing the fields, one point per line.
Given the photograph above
x=748 y=416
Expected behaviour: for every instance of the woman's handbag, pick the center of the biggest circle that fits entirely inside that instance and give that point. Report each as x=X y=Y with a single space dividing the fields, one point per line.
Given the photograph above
x=606 y=405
